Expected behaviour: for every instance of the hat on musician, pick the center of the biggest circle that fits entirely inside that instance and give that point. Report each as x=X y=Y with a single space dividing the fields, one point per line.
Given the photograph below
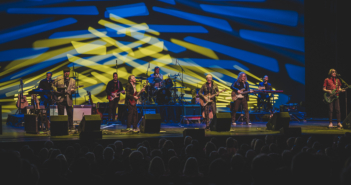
x=66 y=69
x=49 y=72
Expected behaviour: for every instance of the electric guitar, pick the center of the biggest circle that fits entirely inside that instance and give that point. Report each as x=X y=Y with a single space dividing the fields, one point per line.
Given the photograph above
x=236 y=96
x=209 y=96
x=133 y=102
x=330 y=97
x=116 y=93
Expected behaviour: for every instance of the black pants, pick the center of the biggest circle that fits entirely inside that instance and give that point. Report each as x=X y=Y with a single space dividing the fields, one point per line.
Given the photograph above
x=112 y=106
x=61 y=111
x=237 y=103
x=46 y=101
x=335 y=105
x=267 y=101
x=132 y=116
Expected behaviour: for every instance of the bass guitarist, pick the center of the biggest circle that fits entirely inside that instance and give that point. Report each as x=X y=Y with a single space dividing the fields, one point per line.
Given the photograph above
x=131 y=99
x=238 y=87
x=331 y=83
x=209 y=88
x=112 y=87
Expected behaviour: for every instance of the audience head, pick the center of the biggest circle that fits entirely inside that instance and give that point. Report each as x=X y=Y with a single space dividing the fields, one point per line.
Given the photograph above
x=157 y=167
x=49 y=144
x=143 y=150
x=231 y=143
x=108 y=154
x=187 y=140
x=191 y=167
x=136 y=159
x=161 y=142
x=209 y=147
x=174 y=165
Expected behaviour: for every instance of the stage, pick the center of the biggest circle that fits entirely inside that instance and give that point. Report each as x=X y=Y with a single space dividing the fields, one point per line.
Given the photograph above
x=175 y=130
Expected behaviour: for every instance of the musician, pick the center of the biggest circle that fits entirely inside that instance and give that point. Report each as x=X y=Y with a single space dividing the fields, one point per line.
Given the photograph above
x=209 y=87
x=264 y=96
x=46 y=99
x=132 y=109
x=156 y=75
x=331 y=83
x=113 y=86
x=64 y=87
x=238 y=87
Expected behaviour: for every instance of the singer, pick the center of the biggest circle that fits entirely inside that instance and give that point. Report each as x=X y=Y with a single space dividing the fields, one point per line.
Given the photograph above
x=64 y=87
x=331 y=83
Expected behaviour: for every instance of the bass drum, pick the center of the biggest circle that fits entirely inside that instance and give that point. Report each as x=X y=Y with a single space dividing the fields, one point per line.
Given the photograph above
x=163 y=96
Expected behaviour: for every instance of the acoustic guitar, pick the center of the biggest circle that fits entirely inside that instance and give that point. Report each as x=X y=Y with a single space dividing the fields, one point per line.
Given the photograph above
x=133 y=102
x=209 y=96
x=94 y=110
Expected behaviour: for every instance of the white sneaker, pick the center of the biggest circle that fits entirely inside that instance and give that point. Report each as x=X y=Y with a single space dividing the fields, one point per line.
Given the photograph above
x=249 y=123
x=234 y=123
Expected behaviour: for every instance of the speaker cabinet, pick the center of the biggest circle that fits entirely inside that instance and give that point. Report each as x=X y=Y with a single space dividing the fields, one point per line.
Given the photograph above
x=151 y=123
x=90 y=123
x=221 y=122
x=278 y=121
x=31 y=123
x=346 y=124
x=194 y=133
x=59 y=125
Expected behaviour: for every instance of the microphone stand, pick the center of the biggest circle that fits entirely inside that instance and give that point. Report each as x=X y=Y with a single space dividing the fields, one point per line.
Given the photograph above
x=148 y=87
x=182 y=92
x=343 y=81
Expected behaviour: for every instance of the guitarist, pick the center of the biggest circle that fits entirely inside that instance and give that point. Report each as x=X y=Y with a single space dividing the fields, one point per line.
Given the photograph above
x=212 y=88
x=237 y=86
x=329 y=85
x=132 y=109
x=64 y=87
x=112 y=87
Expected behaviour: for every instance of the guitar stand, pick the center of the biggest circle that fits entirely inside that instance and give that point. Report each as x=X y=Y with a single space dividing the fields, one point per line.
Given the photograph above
x=241 y=117
x=292 y=116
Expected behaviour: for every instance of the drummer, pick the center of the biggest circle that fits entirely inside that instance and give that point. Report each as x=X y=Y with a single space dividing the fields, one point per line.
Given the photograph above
x=156 y=78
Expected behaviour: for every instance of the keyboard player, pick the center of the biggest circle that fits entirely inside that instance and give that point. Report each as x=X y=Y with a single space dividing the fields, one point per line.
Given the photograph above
x=46 y=98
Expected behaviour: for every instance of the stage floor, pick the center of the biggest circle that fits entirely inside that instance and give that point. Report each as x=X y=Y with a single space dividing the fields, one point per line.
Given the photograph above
x=113 y=131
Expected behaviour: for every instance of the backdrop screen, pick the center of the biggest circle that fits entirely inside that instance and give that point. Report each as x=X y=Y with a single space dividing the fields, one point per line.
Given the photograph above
x=218 y=37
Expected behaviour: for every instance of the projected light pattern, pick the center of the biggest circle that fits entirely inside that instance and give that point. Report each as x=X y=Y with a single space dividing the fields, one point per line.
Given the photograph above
x=204 y=37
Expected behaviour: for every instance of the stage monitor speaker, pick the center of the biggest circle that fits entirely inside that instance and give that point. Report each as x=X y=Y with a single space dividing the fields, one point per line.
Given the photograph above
x=290 y=132
x=278 y=121
x=31 y=123
x=151 y=123
x=90 y=123
x=346 y=124
x=194 y=133
x=221 y=122
x=59 y=125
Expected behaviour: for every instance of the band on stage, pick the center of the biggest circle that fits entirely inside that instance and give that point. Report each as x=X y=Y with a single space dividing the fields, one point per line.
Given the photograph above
x=162 y=91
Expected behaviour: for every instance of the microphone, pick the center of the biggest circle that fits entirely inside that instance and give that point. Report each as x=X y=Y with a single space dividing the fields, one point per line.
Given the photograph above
x=149 y=65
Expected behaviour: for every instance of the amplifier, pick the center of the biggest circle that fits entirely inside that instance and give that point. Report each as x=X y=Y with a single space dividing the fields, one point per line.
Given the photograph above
x=78 y=111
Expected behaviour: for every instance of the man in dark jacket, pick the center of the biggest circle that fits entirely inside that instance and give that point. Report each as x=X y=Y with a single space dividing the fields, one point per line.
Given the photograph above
x=112 y=87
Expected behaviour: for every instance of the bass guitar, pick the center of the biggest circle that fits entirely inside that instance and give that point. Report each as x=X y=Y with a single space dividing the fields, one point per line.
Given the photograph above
x=209 y=96
x=133 y=101
x=330 y=97
x=115 y=93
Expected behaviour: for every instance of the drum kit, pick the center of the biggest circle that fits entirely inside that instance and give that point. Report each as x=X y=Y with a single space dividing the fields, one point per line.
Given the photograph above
x=161 y=92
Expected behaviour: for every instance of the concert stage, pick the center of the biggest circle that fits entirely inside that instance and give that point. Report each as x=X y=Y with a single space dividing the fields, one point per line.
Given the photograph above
x=174 y=130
